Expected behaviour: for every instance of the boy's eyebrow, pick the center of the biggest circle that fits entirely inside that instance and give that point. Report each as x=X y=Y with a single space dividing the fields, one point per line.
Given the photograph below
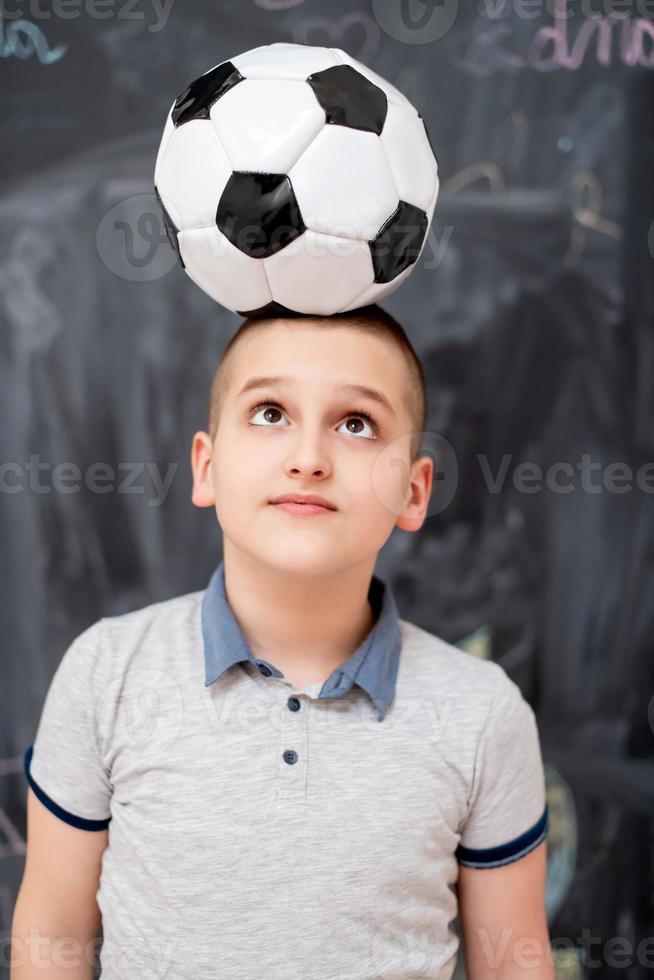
x=355 y=389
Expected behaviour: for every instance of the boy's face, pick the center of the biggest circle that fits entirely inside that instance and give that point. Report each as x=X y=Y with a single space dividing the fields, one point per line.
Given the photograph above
x=312 y=441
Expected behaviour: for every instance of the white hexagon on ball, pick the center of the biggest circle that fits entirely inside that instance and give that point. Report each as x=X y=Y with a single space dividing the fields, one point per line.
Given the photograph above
x=267 y=124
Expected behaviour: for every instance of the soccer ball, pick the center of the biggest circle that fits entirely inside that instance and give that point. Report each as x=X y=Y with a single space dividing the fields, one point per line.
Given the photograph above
x=293 y=179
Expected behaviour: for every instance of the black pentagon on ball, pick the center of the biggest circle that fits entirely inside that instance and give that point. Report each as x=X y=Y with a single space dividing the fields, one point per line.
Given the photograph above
x=196 y=100
x=271 y=309
x=258 y=213
x=398 y=242
x=431 y=145
x=349 y=98
x=171 y=230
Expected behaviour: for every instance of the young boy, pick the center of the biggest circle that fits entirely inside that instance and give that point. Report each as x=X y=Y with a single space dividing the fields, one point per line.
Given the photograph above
x=277 y=777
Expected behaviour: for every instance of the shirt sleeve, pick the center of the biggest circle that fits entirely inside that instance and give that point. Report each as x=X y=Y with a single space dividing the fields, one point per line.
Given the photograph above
x=507 y=812
x=63 y=766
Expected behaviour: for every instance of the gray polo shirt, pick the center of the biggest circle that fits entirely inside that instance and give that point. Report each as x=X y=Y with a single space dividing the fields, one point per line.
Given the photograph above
x=257 y=828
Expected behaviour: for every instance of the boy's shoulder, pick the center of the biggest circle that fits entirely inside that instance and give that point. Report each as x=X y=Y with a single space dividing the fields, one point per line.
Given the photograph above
x=163 y=613
x=116 y=641
x=429 y=662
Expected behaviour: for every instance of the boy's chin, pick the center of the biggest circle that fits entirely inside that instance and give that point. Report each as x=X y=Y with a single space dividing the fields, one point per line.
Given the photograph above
x=299 y=560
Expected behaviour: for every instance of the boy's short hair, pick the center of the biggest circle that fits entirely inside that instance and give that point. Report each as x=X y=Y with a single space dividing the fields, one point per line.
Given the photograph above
x=371 y=318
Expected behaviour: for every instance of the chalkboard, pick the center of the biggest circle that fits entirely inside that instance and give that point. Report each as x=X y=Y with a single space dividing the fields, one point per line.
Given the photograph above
x=531 y=307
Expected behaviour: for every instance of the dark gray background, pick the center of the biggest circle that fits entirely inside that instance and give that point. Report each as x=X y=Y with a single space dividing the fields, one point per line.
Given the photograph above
x=531 y=307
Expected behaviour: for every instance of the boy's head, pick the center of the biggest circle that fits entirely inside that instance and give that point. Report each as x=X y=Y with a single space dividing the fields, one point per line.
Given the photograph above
x=311 y=435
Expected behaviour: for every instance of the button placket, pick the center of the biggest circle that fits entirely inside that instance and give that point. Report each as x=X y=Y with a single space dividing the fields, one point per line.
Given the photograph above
x=293 y=759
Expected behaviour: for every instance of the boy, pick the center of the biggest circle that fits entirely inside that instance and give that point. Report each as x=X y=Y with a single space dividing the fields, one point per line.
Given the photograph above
x=277 y=776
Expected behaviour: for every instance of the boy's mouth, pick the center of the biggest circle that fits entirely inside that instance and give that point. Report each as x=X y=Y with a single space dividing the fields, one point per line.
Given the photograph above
x=303 y=510
x=309 y=500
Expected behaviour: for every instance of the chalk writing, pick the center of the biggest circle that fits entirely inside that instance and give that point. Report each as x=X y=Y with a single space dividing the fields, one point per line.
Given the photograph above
x=323 y=31
x=556 y=45
x=22 y=39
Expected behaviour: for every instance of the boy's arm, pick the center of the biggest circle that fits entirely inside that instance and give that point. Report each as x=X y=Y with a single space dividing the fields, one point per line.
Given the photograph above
x=502 y=849
x=503 y=920
x=56 y=919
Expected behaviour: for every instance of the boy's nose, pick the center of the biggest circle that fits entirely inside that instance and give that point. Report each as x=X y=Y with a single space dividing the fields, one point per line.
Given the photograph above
x=309 y=457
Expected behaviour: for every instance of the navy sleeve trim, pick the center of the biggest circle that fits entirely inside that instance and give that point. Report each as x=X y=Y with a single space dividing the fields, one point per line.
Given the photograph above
x=81 y=822
x=495 y=857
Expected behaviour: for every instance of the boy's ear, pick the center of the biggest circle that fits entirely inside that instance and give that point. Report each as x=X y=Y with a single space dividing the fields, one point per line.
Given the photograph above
x=422 y=474
x=202 y=494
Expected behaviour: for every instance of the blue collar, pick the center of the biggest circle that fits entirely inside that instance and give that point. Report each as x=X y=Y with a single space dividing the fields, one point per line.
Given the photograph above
x=373 y=666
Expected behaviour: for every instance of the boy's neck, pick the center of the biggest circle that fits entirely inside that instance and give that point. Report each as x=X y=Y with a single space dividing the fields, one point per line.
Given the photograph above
x=306 y=626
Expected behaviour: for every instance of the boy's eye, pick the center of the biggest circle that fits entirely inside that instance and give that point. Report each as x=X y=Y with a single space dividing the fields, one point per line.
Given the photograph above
x=271 y=408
